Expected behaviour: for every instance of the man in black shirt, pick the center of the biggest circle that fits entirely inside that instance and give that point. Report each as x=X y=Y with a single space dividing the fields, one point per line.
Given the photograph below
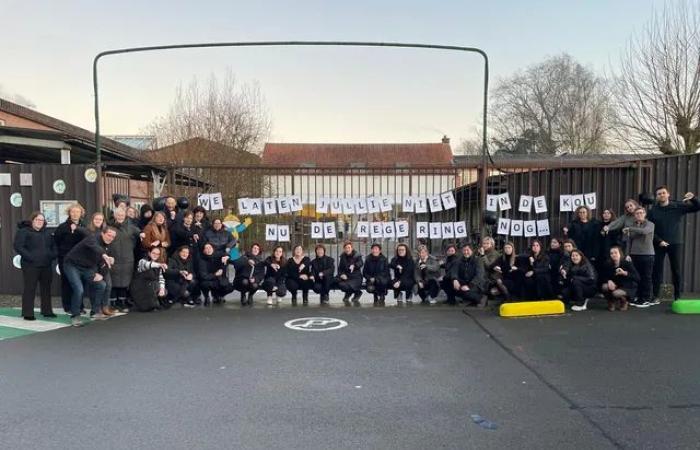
x=667 y=216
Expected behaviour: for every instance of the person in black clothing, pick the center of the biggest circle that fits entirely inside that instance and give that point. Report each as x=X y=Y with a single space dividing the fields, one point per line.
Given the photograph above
x=376 y=273
x=403 y=269
x=537 y=284
x=148 y=285
x=212 y=275
x=322 y=270
x=585 y=232
x=173 y=214
x=275 y=283
x=349 y=279
x=146 y=215
x=579 y=282
x=555 y=255
x=619 y=280
x=250 y=273
x=448 y=266
x=609 y=237
x=66 y=236
x=219 y=236
x=510 y=279
x=184 y=233
x=299 y=275
x=180 y=282
x=37 y=249
x=469 y=278
x=201 y=221
x=667 y=217
x=427 y=273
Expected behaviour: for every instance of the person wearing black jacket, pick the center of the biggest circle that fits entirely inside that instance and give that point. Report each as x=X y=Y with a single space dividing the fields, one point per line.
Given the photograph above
x=212 y=275
x=275 y=283
x=536 y=283
x=86 y=266
x=37 y=249
x=609 y=237
x=299 y=275
x=322 y=270
x=403 y=269
x=349 y=279
x=510 y=278
x=585 y=232
x=250 y=273
x=376 y=273
x=66 y=236
x=427 y=273
x=469 y=278
x=619 y=280
x=122 y=249
x=201 y=221
x=579 y=281
x=184 y=233
x=448 y=266
x=555 y=255
x=146 y=216
x=180 y=282
x=219 y=236
x=667 y=217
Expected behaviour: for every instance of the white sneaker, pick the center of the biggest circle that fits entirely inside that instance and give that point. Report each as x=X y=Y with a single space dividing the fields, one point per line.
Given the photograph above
x=656 y=301
x=99 y=316
x=269 y=301
x=432 y=301
x=76 y=322
x=579 y=308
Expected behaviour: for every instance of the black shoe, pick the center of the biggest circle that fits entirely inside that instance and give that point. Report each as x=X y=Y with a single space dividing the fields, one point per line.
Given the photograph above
x=50 y=315
x=324 y=300
x=356 y=298
x=250 y=300
x=29 y=318
x=294 y=301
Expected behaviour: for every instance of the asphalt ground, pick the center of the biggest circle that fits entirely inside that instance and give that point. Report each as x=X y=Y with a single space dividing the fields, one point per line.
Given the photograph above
x=393 y=378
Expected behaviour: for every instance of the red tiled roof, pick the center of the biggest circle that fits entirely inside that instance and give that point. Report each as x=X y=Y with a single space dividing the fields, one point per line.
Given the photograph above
x=357 y=155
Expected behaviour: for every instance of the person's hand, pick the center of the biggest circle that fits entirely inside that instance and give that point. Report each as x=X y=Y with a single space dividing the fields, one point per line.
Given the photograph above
x=163 y=266
x=532 y=260
x=664 y=244
x=622 y=272
x=155 y=243
x=97 y=277
x=626 y=230
x=166 y=244
x=497 y=269
x=513 y=268
x=251 y=262
x=399 y=268
x=421 y=266
x=611 y=285
x=351 y=268
x=343 y=277
x=628 y=258
x=464 y=288
x=142 y=235
x=224 y=259
x=302 y=267
x=73 y=227
x=195 y=237
x=189 y=277
x=172 y=215
x=420 y=285
x=161 y=292
x=219 y=272
x=275 y=266
x=688 y=196
x=455 y=284
x=320 y=275
x=371 y=280
x=565 y=230
x=563 y=273
x=481 y=251
x=606 y=229
x=397 y=284
x=529 y=273
x=311 y=278
x=303 y=276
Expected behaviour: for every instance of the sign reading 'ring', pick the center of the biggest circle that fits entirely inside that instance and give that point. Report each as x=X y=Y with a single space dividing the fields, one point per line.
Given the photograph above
x=315 y=324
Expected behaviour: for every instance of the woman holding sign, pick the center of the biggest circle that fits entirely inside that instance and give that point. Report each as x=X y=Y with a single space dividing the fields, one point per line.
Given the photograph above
x=349 y=278
x=404 y=273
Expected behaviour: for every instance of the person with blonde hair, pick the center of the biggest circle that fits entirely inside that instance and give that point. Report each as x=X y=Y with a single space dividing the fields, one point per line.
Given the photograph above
x=66 y=236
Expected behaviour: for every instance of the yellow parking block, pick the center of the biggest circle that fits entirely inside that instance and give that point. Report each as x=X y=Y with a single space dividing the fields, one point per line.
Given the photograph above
x=538 y=308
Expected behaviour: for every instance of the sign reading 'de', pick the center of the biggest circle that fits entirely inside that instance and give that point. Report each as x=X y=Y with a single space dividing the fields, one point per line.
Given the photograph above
x=315 y=324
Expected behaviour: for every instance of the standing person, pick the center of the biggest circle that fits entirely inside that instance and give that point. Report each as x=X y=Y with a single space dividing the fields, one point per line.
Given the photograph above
x=619 y=280
x=585 y=232
x=148 y=285
x=180 y=282
x=640 y=248
x=468 y=278
x=85 y=267
x=448 y=265
x=145 y=216
x=201 y=221
x=510 y=278
x=97 y=223
x=156 y=234
x=172 y=212
x=184 y=233
x=299 y=275
x=624 y=221
x=250 y=273
x=427 y=273
x=220 y=237
x=537 y=284
x=66 y=236
x=376 y=273
x=212 y=275
x=349 y=279
x=122 y=249
x=37 y=249
x=322 y=270
x=132 y=215
x=580 y=282
x=609 y=238
x=667 y=217
x=403 y=269
x=275 y=276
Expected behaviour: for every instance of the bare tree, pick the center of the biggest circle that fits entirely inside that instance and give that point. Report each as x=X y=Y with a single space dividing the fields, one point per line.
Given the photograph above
x=658 y=87
x=223 y=112
x=555 y=106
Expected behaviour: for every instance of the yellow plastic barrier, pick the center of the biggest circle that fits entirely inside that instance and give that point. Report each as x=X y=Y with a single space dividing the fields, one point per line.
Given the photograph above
x=538 y=308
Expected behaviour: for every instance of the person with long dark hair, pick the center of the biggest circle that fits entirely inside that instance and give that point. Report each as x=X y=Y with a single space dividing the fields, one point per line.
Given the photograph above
x=536 y=283
x=427 y=274
x=555 y=255
x=585 y=232
x=156 y=234
x=184 y=233
x=299 y=275
x=145 y=216
x=510 y=278
x=37 y=249
x=322 y=270
x=403 y=269
x=250 y=273
x=275 y=283
x=376 y=273
x=609 y=238
x=349 y=279
x=447 y=265
x=67 y=236
x=200 y=219
x=579 y=282
x=148 y=285
x=619 y=280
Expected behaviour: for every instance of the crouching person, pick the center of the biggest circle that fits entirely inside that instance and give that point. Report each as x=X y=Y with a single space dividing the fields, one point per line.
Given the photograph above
x=322 y=270
x=275 y=276
x=376 y=273
x=579 y=282
x=148 y=285
x=404 y=273
x=212 y=275
x=180 y=282
x=468 y=278
x=250 y=272
x=620 y=280
x=85 y=267
x=427 y=274
x=349 y=278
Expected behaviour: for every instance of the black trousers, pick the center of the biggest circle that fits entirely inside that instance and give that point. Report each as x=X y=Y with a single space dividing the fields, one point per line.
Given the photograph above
x=32 y=276
x=322 y=286
x=471 y=296
x=446 y=285
x=269 y=285
x=376 y=287
x=645 y=266
x=537 y=287
x=577 y=291
x=295 y=285
x=66 y=292
x=674 y=257
x=430 y=288
x=405 y=286
x=181 y=289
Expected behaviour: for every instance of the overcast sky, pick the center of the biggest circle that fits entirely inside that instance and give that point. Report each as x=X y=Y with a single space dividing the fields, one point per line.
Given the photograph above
x=314 y=94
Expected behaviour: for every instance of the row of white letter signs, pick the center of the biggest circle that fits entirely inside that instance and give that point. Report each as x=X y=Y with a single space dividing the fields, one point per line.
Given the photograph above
x=375 y=230
x=526 y=203
x=348 y=206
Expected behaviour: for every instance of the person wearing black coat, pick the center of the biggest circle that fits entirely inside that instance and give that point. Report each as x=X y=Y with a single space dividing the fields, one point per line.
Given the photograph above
x=184 y=233
x=146 y=216
x=212 y=274
x=37 y=249
x=555 y=255
x=537 y=284
x=580 y=282
x=448 y=266
x=173 y=214
x=148 y=285
x=608 y=237
x=427 y=274
x=201 y=221
x=66 y=236
x=322 y=270
x=585 y=232
x=349 y=279
x=250 y=273
x=219 y=236
x=180 y=282
x=299 y=275
x=122 y=249
x=469 y=278
x=510 y=276
x=275 y=283
x=376 y=273
x=403 y=268
x=619 y=280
